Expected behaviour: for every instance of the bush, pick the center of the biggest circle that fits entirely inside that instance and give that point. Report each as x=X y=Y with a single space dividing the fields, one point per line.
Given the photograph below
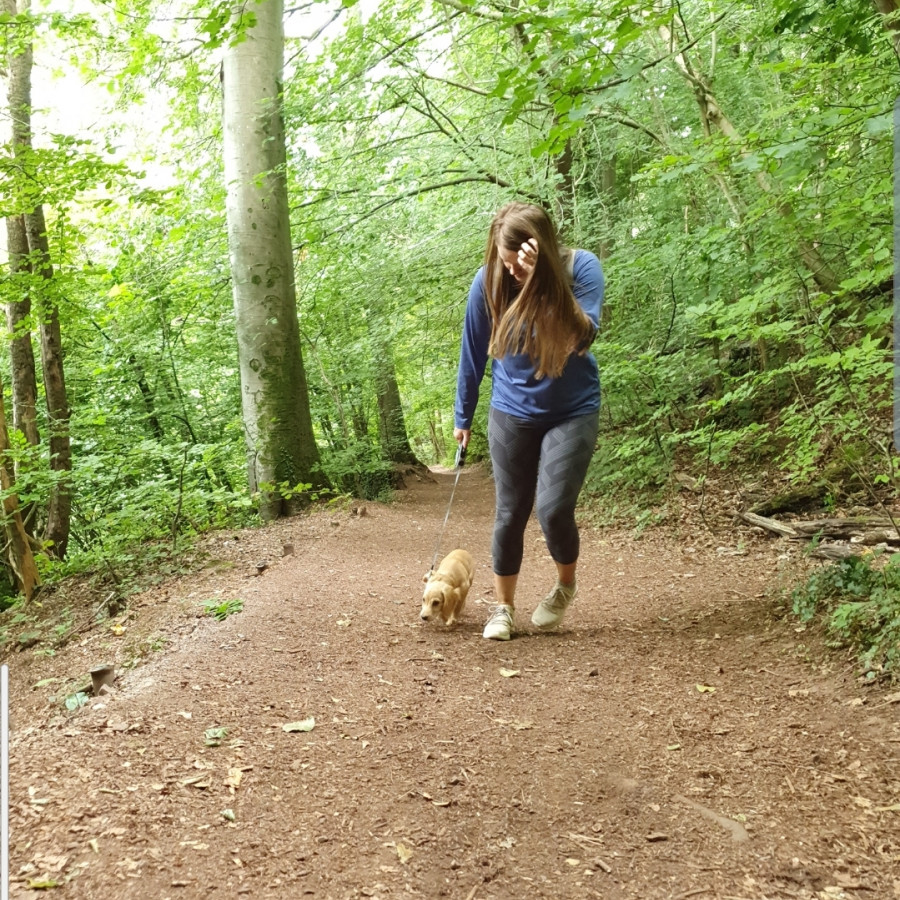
x=859 y=600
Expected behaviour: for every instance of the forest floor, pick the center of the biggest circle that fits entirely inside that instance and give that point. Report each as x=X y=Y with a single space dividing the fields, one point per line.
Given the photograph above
x=679 y=737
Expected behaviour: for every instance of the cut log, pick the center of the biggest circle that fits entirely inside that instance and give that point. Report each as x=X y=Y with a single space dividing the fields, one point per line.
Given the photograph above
x=779 y=528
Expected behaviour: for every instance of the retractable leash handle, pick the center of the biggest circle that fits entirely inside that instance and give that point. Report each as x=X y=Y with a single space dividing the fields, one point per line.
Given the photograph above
x=460 y=455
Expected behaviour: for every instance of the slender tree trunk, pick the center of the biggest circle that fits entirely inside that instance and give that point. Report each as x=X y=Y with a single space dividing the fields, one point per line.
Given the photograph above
x=21 y=350
x=60 y=504
x=18 y=313
x=18 y=546
x=711 y=115
x=608 y=190
x=437 y=438
x=59 y=511
x=277 y=422
x=147 y=397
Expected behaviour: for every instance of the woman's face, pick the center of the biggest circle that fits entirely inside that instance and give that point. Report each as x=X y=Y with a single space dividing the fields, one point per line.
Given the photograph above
x=510 y=259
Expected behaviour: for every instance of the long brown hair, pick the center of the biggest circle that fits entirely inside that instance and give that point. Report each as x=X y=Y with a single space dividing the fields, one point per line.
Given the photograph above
x=544 y=320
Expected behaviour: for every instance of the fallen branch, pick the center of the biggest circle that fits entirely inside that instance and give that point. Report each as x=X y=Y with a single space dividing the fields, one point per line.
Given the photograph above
x=772 y=525
x=833 y=551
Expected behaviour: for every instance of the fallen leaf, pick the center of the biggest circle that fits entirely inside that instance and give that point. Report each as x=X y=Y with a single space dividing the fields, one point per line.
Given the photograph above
x=573 y=862
x=228 y=814
x=92 y=843
x=509 y=673
x=305 y=725
x=343 y=623
x=185 y=715
x=198 y=781
x=674 y=747
x=515 y=723
x=705 y=689
x=233 y=781
x=213 y=737
x=36 y=884
x=851 y=884
x=404 y=853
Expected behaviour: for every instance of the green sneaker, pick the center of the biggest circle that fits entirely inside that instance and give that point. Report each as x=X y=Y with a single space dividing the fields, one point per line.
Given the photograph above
x=552 y=608
x=500 y=624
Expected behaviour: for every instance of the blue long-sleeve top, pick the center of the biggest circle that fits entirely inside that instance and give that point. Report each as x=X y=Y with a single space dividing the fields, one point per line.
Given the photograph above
x=515 y=390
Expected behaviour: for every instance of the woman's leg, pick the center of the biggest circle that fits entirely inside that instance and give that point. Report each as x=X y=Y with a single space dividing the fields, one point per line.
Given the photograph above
x=567 y=451
x=515 y=453
x=565 y=455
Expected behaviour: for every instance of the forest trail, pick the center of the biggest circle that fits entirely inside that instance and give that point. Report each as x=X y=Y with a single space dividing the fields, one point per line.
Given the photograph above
x=676 y=739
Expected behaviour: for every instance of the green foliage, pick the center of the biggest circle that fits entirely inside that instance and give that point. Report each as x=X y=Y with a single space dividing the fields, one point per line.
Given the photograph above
x=76 y=700
x=858 y=599
x=213 y=737
x=222 y=609
x=721 y=344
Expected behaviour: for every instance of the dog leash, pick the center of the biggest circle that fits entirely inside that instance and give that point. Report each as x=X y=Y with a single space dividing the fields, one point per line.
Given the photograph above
x=460 y=459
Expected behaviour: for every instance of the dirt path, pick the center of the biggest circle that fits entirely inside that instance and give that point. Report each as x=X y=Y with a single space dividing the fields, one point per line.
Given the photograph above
x=675 y=739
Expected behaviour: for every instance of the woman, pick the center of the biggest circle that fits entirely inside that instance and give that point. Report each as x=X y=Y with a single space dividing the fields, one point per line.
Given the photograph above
x=534 y=306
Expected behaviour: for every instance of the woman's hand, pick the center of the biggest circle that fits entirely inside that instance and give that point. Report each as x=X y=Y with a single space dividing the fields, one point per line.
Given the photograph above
x=527 y=255
x=462 y=435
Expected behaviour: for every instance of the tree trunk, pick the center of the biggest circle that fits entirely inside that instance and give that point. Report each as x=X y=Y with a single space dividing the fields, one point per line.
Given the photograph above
x=59 y=511
x=711 y=115
x=24 y=378
x=391 y=421
x=18 y=546
x=275 y=400
x=59 y=505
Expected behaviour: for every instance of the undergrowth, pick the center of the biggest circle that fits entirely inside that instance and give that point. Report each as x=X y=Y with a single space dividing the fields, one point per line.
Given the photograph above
x=858 y=600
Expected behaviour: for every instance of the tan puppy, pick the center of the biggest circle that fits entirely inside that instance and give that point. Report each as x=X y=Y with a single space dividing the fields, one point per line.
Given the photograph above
x=447 y=587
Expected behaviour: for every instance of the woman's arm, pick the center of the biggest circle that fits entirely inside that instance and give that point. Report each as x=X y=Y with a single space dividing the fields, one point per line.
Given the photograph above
x=589 y=284
x=473 y=355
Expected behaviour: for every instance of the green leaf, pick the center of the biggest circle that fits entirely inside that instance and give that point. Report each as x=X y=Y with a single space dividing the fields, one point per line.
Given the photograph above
x=77 y=700
x=303 y=725
x=213 y=737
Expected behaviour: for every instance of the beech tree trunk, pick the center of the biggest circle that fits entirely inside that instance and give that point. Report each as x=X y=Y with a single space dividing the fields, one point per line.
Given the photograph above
x=281 y=447
x=391 y=421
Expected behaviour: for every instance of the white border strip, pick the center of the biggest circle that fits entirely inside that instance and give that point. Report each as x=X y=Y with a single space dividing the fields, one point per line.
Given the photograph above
x=4 y=778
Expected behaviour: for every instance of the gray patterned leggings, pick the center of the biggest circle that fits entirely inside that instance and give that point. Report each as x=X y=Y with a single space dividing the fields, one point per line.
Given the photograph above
x=547 y=461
